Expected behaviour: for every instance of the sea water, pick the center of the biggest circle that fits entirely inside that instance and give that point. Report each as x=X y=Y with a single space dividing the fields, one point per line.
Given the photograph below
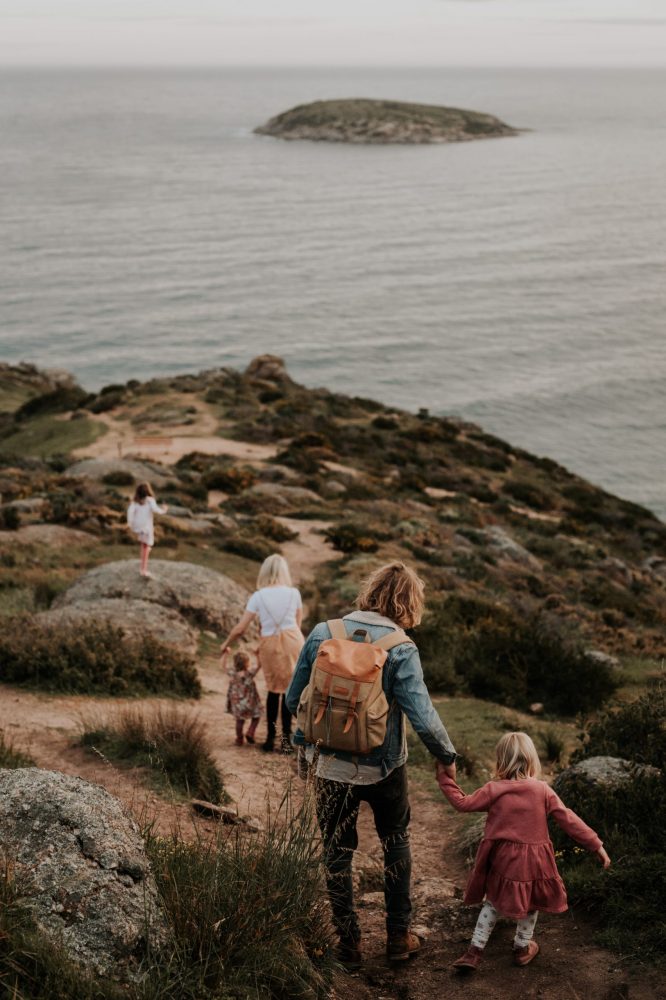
x=516 y=282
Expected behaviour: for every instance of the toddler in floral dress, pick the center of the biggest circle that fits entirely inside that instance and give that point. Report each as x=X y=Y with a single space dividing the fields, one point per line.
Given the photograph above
x=515 y=869
x=243 y=701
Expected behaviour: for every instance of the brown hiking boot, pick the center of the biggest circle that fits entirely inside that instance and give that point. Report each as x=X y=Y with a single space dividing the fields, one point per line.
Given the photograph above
x=401 y=945
x=523 y=956
x=348 y=953
x=470 y=960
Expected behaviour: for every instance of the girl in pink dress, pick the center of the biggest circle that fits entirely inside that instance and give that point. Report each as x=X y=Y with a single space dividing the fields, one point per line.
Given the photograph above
x=515 y=869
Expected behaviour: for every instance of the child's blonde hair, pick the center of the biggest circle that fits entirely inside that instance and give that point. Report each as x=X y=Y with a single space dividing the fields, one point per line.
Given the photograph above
x=241 y=660
x=516 y=757
x=274 y=572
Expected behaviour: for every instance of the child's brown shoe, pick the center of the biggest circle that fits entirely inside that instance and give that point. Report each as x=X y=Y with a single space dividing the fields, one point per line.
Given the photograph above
x=470 y=960
x=524 y=955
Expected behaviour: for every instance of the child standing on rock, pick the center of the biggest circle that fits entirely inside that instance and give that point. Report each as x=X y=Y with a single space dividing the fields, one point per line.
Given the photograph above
x=515 y=867
x=243 y=701
x=140 y=520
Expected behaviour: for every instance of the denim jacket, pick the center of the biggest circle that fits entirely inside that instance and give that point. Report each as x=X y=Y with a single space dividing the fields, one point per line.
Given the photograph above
x=405 y=692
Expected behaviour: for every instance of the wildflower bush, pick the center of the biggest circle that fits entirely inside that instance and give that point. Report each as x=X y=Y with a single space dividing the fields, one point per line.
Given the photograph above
x=171 y=741
x=91 y=659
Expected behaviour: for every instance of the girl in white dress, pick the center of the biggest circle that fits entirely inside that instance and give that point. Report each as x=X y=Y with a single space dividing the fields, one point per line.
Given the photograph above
x=140 y=520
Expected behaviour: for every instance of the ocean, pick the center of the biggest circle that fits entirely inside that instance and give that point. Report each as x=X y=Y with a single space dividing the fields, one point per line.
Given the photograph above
x=518 y=282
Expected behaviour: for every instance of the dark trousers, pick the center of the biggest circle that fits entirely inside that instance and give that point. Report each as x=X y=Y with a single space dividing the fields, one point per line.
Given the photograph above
x=275 y=702
x=337 y=811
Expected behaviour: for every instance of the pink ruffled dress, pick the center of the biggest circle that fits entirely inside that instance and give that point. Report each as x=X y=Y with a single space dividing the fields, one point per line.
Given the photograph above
x=515 y=867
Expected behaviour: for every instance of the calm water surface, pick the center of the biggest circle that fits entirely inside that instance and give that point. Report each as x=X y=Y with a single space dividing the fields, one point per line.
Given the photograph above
x=516 y=282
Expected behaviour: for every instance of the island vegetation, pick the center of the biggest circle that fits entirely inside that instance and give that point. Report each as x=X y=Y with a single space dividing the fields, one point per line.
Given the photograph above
x=381 y=122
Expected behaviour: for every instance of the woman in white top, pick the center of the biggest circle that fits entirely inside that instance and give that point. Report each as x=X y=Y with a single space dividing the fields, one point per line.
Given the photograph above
x=140 y=520
x=279 y=608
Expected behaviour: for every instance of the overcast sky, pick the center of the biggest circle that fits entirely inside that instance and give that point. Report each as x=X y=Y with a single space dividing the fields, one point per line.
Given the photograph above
x=334 y=32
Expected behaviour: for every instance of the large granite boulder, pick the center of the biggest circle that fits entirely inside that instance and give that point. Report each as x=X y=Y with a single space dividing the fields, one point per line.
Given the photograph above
x=135 y=618
x=54 y=536
x=202 y=597
x=80 y=864
x=98 y=468
x=604 y=772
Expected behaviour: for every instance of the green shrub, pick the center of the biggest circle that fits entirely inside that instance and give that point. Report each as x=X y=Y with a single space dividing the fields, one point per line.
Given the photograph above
x=350 y=537
x=171 y=741
x=58 y=400
x=91 y=659
x=118 y=478
x=636 y=730
x=271 y=528
x=630 y=818
x=513 y=657
x=248 y=546
x=230 y=479
x=10 y=757
x=10 y=519
x=528 y=493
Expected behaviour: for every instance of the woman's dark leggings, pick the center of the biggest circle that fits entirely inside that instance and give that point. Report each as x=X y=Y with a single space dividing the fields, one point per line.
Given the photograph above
x=275 y=702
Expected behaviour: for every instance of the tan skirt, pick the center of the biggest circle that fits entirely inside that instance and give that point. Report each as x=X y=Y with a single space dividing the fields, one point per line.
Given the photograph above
x=277 y=657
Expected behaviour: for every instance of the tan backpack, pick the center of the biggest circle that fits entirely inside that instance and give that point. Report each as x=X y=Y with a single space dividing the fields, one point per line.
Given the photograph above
x=344 y=706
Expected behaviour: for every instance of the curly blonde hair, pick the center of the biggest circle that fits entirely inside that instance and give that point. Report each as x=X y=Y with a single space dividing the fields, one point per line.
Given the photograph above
x=516 y=757
x=394 y=591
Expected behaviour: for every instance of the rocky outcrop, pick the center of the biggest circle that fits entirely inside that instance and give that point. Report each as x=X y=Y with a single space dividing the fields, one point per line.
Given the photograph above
x=98 y=468
x=56 y=536
x=600 y=772
x=81 y=866
x=202 y=597
x=507 y=547
x=381 y=122
x=268 y=368
x=135 y=618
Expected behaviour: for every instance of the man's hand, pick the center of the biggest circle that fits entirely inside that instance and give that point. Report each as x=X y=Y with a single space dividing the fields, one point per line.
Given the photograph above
x=448 y=769
x=603 y=857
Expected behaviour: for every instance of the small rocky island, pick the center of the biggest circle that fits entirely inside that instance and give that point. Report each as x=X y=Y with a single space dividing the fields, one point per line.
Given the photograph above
x=370 y=121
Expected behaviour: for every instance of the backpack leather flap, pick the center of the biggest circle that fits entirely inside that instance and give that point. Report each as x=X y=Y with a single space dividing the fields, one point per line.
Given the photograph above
x=360 y=661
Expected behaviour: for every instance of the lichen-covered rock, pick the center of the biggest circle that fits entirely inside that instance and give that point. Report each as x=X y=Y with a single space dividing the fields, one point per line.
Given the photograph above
x=287 y=496
x=206 y=599
x=80 y=866
x=56 y=536
x=97 y=468
x=135 y=618
x=600 y=772
x=504 y=545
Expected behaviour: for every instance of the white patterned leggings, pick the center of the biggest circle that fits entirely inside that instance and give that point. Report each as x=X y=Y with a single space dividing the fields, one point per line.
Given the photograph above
x=486 y=924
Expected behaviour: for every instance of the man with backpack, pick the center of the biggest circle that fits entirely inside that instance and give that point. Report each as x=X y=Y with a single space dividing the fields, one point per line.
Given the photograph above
x=355 y=681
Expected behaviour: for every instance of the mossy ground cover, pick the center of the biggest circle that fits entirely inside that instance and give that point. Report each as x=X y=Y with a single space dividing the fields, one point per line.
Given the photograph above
x=48 y=435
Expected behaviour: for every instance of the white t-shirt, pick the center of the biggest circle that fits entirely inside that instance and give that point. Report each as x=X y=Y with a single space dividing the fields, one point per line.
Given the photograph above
x=276 y=607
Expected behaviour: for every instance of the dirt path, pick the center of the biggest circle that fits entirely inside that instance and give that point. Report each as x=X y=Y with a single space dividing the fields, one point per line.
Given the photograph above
x=201 y=433
x=569 y=967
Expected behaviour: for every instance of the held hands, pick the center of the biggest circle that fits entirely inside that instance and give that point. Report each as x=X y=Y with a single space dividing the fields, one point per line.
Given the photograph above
x=603 y=857
x=448 y=769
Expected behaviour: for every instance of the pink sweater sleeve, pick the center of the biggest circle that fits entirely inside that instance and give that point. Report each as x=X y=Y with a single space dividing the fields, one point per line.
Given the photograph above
x=478 y=801
x=572 y=824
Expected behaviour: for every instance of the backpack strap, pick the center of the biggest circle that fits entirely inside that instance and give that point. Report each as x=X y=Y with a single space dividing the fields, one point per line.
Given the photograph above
x=393 y=639
x=337 y=629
